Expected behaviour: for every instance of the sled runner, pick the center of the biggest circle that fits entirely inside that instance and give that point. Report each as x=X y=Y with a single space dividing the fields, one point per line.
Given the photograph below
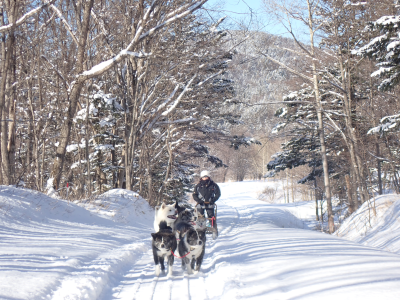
x=212 y=222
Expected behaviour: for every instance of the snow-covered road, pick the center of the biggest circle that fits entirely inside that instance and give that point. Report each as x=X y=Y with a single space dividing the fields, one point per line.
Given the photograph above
x=262 y=252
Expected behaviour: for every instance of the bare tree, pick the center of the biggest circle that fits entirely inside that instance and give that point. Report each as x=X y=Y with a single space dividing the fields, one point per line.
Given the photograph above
x=304 y=11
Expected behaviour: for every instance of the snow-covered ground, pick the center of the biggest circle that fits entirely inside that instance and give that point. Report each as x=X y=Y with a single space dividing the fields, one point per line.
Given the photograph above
x=52 y=249
x=375 y=224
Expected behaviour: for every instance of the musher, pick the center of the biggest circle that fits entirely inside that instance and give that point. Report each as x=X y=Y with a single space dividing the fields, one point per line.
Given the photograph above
x=206 y=193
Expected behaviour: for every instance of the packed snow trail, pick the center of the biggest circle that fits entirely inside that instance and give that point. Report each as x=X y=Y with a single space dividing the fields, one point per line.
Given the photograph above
x=51 y=249
x=263 y=253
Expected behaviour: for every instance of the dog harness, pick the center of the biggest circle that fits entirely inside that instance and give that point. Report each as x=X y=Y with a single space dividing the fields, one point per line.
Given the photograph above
x=179 y=256
x=191 y=248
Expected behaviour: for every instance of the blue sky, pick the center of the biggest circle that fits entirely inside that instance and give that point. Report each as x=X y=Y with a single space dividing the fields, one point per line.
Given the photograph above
x=239 y=10
x=237 y=7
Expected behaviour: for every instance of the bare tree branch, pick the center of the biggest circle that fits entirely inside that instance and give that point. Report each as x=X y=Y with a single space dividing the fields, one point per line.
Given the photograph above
x=26 y=16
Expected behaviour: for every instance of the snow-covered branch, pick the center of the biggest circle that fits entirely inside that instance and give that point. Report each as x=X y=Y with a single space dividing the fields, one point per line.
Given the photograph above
x=168 y=99
x=187 y=88
x=388 y=124
x=335 y=94
x=177 y=121
x=153 y=88
x=210 y=77
x=26 y=16
x=286 y=67
x=106 y=65
x=139 y=36
x=278 y=102
x=171 y=108
x=337 y=128
x=335 y=85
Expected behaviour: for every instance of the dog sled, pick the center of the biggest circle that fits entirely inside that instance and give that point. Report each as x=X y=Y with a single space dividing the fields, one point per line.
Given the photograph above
x=211 y=227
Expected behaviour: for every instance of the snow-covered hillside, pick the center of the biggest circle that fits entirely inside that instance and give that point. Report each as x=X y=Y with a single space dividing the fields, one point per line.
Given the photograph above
x=51 y=249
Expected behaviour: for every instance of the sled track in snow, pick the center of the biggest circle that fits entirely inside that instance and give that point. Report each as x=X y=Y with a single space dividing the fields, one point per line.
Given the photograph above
x=203 y=280
x=154 y=284
x=186 y=280
x=144 y=272
x=213 y=257
x=140 y=282
x=170 y=285
x=233 y=224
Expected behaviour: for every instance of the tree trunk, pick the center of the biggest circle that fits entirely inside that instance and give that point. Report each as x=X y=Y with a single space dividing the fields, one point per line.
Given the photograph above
x=11 y=128
x=7 y=50
x=170 y=161
x=316 y=199
x=33 y=139
x=88 y=165
x=291 y=179
x=73 y=99
x=349 y=194
x=320 y=125
x=379 y=162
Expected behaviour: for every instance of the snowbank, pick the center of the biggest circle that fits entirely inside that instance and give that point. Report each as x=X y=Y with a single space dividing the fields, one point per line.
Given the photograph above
x=121 y=206
x=379 y=230
x=55 y=249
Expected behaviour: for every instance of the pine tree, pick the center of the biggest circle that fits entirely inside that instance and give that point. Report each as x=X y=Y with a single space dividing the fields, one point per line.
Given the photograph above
x=385 y=49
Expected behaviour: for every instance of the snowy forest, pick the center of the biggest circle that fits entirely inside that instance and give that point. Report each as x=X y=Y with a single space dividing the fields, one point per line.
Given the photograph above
x=98 y=95
x=174 y=150
x=141 y=95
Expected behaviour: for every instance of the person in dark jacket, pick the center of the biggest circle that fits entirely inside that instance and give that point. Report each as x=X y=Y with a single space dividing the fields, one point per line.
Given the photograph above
x=206 y=193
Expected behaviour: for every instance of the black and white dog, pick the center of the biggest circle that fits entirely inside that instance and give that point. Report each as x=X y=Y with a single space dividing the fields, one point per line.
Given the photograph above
x=164 y=245
x=191 y=217
x=191 y=246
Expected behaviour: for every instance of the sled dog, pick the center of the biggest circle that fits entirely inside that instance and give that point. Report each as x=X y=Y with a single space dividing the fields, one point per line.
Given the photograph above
x=189 y=219
x=199 y=220
x=191 y=247
x=164 y=213
x=163 y=244
x=185 y=217
x=178 y=208
x=184 y=214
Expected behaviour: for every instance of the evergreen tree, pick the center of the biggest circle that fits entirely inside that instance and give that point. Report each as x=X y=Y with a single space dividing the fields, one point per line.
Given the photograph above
x=104 y=113
x=385 y=49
